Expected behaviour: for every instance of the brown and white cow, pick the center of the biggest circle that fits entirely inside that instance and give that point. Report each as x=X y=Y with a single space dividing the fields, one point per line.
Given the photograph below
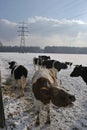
x=45 y=91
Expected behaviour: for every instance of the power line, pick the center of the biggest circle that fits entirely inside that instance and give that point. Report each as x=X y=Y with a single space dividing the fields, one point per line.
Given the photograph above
x=22 y=31
x=78 y=15
x=69 y=4
x=73 y=3
x=69 y=7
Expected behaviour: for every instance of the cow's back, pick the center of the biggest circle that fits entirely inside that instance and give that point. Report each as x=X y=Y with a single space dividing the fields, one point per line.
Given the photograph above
x=45 y=73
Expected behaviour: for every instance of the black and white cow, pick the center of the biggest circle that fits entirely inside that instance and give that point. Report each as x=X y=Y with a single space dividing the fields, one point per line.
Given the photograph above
x=54 y=64
x=80 y=70
x=44 y=57
x=68 y=63
x=19 y=74
x=38 y=61
x=45 y=92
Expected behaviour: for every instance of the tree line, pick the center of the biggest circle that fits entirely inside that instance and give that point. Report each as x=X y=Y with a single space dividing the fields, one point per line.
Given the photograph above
x=47 y=49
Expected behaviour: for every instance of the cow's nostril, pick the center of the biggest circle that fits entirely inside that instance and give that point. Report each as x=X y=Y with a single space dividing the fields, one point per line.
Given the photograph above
x=72 y=98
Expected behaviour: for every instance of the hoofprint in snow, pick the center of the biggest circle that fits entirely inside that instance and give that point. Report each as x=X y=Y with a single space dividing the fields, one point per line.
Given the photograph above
x=19 y=112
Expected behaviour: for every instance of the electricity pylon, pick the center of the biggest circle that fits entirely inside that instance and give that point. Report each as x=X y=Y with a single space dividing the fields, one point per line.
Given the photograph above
x=22 y=30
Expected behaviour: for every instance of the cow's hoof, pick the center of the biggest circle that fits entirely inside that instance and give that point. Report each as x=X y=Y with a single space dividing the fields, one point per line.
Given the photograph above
x=21 y=95
x=18 y=96
x=37 y=123
x=48 y=122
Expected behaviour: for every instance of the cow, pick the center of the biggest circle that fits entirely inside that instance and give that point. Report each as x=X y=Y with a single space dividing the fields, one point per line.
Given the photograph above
x=68 y=63
x=37 y=61
x=54 y=64
x=19 y=74
x=45 y=91
x=44 y=57
x=80 y=70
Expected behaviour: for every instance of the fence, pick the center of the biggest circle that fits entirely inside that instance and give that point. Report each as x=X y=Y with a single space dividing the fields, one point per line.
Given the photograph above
x=2 y=115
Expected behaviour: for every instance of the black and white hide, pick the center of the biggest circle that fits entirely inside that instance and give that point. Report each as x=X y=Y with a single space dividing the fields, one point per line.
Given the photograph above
x=19 y=74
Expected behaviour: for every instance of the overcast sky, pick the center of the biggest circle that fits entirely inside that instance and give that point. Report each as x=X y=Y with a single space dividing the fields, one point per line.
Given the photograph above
x=49 y=22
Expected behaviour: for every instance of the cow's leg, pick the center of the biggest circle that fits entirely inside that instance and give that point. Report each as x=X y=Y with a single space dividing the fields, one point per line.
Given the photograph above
x=22 y=85
x=37 y=118
x=34 y=67
x=19 y=88
x=21 y=91
x=48 y=115
x=14 y=83
x=38 y=67
x=37 y=109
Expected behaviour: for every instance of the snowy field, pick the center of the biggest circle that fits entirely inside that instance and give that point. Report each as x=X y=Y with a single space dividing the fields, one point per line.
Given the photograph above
x=19 y=113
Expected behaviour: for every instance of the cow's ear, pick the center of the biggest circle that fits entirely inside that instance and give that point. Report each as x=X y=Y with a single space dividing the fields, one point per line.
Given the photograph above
x=76 y=65
x=80 y=65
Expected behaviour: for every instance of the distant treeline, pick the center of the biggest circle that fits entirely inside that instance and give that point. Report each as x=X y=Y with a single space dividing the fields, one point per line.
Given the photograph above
x=47 y=49
x=20 y=49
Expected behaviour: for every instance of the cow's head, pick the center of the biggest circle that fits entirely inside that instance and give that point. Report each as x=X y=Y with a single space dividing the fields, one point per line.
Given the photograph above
x=61 y=98
x=11 y=64
x=68 y=63
x=59 y=65
x=41 y=89
x=77 y=71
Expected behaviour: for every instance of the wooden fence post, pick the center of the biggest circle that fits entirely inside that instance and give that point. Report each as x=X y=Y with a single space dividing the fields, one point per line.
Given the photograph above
x=2 y=116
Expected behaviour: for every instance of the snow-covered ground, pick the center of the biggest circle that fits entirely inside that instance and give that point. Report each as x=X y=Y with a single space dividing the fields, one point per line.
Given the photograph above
x=19 y=113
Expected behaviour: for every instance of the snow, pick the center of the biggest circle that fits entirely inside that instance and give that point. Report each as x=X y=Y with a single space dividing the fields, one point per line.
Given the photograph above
x=19 y=112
